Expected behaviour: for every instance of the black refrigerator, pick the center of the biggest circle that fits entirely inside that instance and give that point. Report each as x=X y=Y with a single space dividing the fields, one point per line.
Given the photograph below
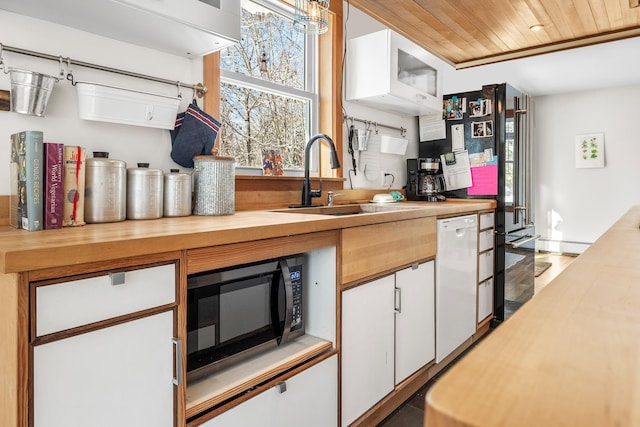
x=494 y=124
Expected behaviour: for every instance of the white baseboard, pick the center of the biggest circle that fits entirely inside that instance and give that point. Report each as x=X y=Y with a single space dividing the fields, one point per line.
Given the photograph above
x=559 y=246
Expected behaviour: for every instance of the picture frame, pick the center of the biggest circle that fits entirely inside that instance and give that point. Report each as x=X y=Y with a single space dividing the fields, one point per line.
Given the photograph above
x=589 y=150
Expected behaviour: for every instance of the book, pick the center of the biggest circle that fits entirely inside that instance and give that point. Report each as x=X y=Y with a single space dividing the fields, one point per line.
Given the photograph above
x=53 y=163
x=26 y=164
x=73 y=186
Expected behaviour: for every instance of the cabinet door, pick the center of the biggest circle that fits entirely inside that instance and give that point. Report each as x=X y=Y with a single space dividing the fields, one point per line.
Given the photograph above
x=415 y=319
x=367 y=346
x=116 y=376
x=310 y=399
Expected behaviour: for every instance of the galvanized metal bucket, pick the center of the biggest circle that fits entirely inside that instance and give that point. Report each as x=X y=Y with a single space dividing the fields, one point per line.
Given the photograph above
x=30 y=91
x=214 y=185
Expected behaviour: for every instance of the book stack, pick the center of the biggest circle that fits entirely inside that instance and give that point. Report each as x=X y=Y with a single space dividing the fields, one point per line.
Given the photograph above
x=47 y=183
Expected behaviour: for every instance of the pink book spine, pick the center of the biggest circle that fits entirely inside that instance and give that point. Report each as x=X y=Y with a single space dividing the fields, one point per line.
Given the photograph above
x=53 y=173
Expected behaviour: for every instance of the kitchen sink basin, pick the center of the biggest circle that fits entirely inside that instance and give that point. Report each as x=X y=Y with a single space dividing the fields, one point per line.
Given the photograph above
x=342 y=210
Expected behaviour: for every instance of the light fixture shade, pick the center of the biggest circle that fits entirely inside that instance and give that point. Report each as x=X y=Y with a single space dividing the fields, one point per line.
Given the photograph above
x=311 y=16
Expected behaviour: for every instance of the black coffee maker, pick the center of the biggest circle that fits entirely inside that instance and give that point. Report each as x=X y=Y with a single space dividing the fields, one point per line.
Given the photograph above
x=424 y=182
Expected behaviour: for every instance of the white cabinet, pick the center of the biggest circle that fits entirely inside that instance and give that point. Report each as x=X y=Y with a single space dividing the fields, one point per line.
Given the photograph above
x=386 y=70
x=367 y=346
x=116 y=376
x=485 y=265
x=486 y=237
x=104 y=350
x=310 y=400
x=185 y=28
x=485 y=299
x=81 y=302
x=381 y=349
x=415 y=319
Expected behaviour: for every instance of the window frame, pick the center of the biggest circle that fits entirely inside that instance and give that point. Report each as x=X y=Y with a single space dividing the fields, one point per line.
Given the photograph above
x=308 y=93
x=328 y=80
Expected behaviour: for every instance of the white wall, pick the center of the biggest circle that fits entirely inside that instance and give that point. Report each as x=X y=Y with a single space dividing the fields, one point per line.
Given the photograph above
x=578 y=205
x=61 y=123
x=376 y=163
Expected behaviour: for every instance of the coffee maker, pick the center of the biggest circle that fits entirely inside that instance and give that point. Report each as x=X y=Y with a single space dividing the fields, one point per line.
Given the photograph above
x=423 y=180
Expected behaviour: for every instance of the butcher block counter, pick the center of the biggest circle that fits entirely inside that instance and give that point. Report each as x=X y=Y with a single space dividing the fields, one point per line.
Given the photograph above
x=569 y=357
x=71 y=274
x=22 y=251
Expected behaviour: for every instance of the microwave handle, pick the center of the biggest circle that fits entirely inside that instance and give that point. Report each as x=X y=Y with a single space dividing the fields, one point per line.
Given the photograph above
x=288 y=296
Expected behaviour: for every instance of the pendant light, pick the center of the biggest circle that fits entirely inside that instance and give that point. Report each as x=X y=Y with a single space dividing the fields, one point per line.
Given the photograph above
x=311 y=16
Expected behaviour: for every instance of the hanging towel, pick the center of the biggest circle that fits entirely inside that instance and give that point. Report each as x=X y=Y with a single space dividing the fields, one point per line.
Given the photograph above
x=194 y=134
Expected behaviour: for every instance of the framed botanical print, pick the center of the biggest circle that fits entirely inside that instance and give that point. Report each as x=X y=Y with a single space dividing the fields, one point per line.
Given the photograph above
x=590 y=150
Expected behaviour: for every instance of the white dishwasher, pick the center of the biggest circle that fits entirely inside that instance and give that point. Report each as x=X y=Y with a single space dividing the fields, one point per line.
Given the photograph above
x=456 y=265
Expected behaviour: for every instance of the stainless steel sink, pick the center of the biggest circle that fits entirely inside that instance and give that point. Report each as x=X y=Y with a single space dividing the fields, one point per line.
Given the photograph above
x=342 y=210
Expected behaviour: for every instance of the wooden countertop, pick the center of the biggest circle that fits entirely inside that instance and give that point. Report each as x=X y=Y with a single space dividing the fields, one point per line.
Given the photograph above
x=26 y=251
x=569 y=357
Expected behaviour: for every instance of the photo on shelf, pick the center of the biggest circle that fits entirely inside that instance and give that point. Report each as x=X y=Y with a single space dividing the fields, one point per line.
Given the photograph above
x=272 y=163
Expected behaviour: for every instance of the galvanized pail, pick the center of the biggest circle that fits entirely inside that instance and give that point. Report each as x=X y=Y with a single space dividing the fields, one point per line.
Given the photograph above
x=214 y=185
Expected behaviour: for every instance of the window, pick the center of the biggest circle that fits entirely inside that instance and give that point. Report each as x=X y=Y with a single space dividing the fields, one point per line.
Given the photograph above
x=268 y=89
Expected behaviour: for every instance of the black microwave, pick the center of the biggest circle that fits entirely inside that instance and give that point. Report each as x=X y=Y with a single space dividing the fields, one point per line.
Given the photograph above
x=237 y=312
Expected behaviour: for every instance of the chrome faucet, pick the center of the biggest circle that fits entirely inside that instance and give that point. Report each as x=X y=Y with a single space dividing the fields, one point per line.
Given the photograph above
x=307 y=192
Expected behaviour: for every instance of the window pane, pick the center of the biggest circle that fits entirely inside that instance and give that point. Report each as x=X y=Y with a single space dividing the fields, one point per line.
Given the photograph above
x=255 y=120
x=267 y=39
x=508 y=183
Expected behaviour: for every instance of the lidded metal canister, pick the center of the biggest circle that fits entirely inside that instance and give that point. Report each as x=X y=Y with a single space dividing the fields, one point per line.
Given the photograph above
x=177 y=193
x=214 y=185
x=144 y=192
x=105 y=189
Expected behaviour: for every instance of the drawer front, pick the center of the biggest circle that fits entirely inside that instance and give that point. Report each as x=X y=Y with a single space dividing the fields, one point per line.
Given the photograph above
x=80 y=302
x=486 y=220
x=485 y=240
x=485 y=265
x=485 y=299
x=370 y=250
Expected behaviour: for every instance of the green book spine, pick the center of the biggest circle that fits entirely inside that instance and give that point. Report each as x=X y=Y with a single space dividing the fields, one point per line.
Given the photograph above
x=27 y=180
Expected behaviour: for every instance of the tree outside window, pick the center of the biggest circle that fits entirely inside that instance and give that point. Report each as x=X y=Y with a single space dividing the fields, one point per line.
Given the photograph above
x=268 y=96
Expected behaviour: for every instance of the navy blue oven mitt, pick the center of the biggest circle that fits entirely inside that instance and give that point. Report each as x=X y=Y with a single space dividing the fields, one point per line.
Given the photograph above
x=194 y=134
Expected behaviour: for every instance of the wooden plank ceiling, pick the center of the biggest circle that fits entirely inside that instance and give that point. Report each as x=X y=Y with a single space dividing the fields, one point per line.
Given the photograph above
x=467 y=33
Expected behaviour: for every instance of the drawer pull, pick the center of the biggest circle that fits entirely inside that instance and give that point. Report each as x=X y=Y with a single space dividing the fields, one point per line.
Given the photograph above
x=117 y=278
x=281 y=387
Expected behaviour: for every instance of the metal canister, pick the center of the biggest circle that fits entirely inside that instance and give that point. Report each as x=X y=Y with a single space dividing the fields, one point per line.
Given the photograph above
x=144 y=192
x=105 y=189
x=177 y=193
x=214 y=185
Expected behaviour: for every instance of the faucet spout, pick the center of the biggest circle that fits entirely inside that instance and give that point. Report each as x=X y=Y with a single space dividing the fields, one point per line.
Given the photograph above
x=307 y=192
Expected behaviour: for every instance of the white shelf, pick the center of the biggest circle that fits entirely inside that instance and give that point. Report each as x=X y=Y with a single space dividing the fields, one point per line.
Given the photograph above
x=228 y=382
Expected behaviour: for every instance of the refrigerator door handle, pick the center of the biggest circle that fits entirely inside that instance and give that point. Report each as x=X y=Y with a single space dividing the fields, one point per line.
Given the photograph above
x=518 y=242
x=516 y=158
x=528 y=152
x=521 y=164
